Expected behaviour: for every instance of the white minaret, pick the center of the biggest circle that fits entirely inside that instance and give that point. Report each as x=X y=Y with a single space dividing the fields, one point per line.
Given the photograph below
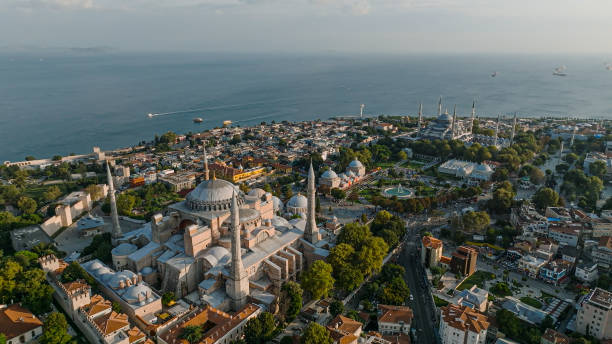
x=206 y=172
x=513 y=130
x=420 y=116
x=573 y=137
x=440 y=106
x=116 y=234
x=496 y=131
x=473 y=115
x=311 y=232
x=237 y=286
x=454 y=124
x=361 y=110
x=561 y=152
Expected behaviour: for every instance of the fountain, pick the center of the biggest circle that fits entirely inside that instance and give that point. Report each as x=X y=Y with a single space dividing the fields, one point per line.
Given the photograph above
x=398 y=191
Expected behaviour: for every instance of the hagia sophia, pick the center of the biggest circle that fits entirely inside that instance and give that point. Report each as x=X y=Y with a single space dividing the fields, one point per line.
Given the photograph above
x=229 y=247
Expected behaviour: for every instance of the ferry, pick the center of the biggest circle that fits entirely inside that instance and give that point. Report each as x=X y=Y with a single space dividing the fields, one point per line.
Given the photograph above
x=559 y=71
x=227 y=123
x=198 y=120
x=494 y=74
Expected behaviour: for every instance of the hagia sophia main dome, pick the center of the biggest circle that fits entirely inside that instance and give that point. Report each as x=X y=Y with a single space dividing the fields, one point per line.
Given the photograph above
x=213 y=195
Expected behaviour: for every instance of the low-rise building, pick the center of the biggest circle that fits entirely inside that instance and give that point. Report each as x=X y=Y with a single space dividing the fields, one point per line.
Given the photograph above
x=587 y=272
x=394 y=319
x=431 y=251
x=463 y=261
x=344 y=330
x=595 y=314
x=554 y=272
x=565 y=235
x=180 y=181
x=602 y=253
x=475 y=298
x=531 y=265
x=461 y=324
x=19 y=325
x=551 y=336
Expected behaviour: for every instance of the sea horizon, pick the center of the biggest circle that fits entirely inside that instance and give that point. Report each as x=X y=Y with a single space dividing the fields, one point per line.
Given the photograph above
x=70 y=102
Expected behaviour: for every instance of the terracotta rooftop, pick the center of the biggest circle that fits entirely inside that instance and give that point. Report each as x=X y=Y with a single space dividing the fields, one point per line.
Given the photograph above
x=464 y=318
x=135 y=334
x=77 y=285
x=344 y=324
x=431 y=242
x=111 y=322
x=16 y=320
x=606 y=241
x=219 y=323
x=395 y=314
x=97 y=305
x=555 y=337
x=397 y=339
x=445 y=260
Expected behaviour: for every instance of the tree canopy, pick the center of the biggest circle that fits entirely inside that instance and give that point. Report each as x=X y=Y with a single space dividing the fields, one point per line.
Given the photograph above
x=318 y=280
x=316 y=334
x=55 y=330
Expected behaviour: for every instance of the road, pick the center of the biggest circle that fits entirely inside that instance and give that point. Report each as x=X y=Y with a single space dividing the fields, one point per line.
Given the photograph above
x=424 y=311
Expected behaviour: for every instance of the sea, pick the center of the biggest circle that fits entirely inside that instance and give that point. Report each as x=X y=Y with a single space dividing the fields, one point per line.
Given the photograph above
x=66 y=102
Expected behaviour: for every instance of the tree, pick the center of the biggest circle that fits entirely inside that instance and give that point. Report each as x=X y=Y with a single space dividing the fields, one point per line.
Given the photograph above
x=336 y=307
x=74 y=272
x=338 y=193
x=598 y=168
x=340 y=256
x=401 y=155
x=116 y=307
x=475 y=221
x=370 y=257
x=2 y=338
x=260 y=330
x=316 y=334
x=390 y=271
x=55 y=330
x=349 y=278
x=52 y=193
x=125 y=203
x=168 y=298
x=354 y=234
x=291 y=300
x=193 y=334
x=501 y=289
x=502 y=198
x=546 y=197
x=395 y=292
x=94 y=191
x=318 y=280
x=548 y=322
x=27 y=205
x=536 y=176
x=570 y=158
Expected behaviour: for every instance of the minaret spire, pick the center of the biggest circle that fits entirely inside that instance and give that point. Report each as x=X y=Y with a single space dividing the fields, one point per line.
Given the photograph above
x=311 y=232
x=473 y=115
x=237 y=286
x=513 y=130
x=454 y=125
x=206 y=172
x=496 y=131
x=440 y=106
x=420 y=116
x=573 y=137
x=116 y=234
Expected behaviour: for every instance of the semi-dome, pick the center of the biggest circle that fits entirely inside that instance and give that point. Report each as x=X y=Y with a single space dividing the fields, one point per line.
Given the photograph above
x=247 y=214
x=139 y=293
x=278 y=221
x=257 y=192
x=356 y=163
x=329 y=174
x=124 y=249
x=350 y=174
x=216 y=255
x=213 y=195
x=298 y=201
x=278 y=204
x=146 y=270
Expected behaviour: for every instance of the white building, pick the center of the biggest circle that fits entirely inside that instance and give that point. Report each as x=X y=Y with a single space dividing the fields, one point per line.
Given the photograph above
x=462 y=325
x=472 y=172
x=587 y=272
x=595 y=314
x=19 y=325
x=394 y=319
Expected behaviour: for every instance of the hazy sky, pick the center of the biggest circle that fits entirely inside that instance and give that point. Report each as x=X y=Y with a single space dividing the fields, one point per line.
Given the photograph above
x=386 y=26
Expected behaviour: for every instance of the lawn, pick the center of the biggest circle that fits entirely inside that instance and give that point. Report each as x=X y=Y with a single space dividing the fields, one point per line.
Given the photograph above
x=478 y=278
x=415 y=165
x=440 y=302
x=531 y=301
x=385 y=164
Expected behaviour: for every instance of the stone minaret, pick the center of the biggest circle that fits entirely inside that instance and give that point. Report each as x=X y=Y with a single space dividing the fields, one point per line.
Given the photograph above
x=420 y=116
x=513 y=130
x=573 y=137
x=116 y=234
x=440 y=106
x=561 y=152
x=496 y=131
x=311 y=232
x=454 y=125
x=473 y=115
x=206 y=172
x=237 y=286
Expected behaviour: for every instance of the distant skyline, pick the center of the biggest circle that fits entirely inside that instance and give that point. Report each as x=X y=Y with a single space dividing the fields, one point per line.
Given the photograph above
x=316 y=26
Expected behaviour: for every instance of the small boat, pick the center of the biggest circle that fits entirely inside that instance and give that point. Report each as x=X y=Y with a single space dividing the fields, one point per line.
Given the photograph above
x=150 y=115
x=198 y=120
x=494 y=74
x=227 y=123
x=560 y=71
